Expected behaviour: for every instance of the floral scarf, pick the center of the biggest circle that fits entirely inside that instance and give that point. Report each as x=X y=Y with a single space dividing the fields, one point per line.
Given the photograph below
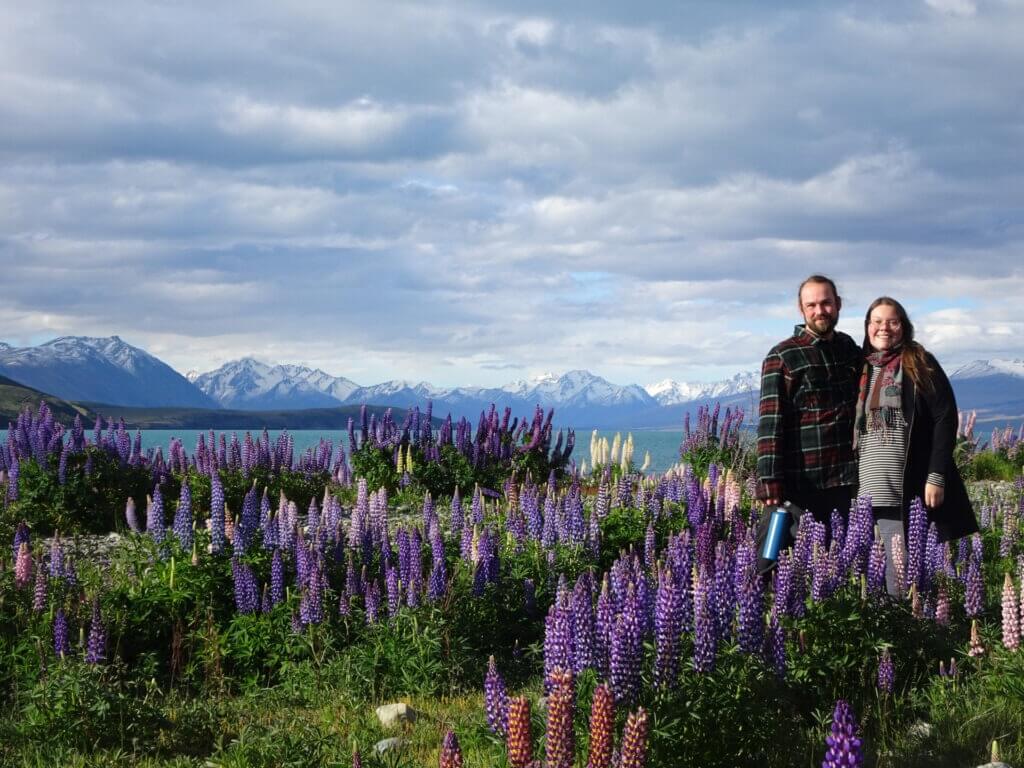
x=878 y=401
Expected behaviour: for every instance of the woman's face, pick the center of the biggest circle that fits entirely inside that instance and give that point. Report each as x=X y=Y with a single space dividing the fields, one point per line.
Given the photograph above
x=884 y=328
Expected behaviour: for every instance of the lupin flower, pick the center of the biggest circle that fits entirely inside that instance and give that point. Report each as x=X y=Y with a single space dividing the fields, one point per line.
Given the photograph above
x=23 y=566
x=1011 y=617
x=217 y=532
x=626 y=655
x=561 y=748
x=357 y=759
x=634 y=741
x=276 y=578
x=602 y=721
x=495 y=699
x=372 y=599
x=667 y=630
x=751 y=614
x=155 y=524
x=844 y=746
x=942 y=604
x=40 y=590
x=775 y=646
x=886 y=678
x=451 y=752
x=976 y=648
x=974 y=591
x=96 y=650
x=61 y=644
x=705 y=636
x=520 y=741
x=557 y=639
x=876 y=566
x=131 y=516
x=247 y=594
x=183 y=517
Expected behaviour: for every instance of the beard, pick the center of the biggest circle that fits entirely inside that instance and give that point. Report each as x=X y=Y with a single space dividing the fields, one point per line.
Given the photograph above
x=822 y=325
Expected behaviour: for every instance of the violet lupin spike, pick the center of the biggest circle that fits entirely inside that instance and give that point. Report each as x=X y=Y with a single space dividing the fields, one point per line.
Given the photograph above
x=96 y=649
x=886 y=678
x=451 y=752
x=495 y=699
x=41 y=588
x=775 y=646
x=844 y=745
x=183 y=517
x=155 y=525
x=974 y=591
x=876 y=565
x=667 y=631
x=217 y=535
x=61 y=644
x=705 y=635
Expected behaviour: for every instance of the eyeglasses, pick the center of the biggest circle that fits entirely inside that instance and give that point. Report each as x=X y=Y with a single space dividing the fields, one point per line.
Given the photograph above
x=886 y=323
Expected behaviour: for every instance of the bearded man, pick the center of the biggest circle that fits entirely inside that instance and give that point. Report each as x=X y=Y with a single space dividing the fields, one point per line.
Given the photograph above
x=808 y=399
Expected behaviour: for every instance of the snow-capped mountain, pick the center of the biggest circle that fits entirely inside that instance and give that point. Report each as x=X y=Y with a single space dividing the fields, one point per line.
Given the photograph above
x=100 y=370
x=979 y=369
x=671 y=392
x=250 y=384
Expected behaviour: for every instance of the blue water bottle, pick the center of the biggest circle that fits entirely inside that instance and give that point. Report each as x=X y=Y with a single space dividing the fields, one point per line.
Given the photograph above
x=776 y=529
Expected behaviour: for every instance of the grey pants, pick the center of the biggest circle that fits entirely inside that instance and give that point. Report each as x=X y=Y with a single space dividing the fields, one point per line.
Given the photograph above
x=888 y=529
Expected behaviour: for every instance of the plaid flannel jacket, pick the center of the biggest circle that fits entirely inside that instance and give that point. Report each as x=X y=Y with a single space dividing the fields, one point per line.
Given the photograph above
x=808 y=396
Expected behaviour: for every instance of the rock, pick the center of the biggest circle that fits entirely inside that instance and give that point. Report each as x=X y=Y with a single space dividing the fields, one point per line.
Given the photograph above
x=386 y=745
x=995 y=765
x=920 y=730
x=393 y=715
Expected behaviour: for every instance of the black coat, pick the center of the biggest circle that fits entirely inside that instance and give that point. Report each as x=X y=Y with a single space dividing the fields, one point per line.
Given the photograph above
x=931 y=417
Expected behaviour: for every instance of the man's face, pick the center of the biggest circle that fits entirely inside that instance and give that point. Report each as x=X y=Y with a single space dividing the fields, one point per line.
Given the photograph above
x=820 y=307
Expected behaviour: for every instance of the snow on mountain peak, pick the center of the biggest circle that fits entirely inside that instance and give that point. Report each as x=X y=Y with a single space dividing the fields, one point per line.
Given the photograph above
x=977 y=369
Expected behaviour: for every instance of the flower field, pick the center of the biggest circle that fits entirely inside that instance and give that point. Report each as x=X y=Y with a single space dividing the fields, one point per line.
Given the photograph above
x=532 y=606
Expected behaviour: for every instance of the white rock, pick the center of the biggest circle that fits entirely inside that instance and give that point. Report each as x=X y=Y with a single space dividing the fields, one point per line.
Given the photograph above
x=392 y=715
x=386 y=745
x=920 y=730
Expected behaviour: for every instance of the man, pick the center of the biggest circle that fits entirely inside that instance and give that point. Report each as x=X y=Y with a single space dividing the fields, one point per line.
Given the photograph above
x=808 y=397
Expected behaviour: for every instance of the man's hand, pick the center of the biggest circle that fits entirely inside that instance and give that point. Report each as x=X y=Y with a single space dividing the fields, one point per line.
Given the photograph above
x=934 y=495
x=772 y=502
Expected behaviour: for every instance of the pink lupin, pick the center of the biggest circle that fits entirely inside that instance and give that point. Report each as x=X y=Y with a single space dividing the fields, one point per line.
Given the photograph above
x=1011 y=617
x=23 y=566
x=942 y=605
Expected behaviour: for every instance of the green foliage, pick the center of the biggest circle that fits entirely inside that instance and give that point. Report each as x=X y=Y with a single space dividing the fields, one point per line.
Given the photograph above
x=92 y=503
x=442 y=477
x=376 y=466
x=988 y=465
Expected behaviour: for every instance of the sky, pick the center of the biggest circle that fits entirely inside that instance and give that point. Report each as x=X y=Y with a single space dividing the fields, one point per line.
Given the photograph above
x=473 y=193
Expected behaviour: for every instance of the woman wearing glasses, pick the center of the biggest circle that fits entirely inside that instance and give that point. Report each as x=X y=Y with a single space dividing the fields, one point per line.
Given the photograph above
x=904 y=432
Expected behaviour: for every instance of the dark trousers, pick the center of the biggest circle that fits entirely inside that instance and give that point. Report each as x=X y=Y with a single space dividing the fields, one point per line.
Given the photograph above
x=819 y=502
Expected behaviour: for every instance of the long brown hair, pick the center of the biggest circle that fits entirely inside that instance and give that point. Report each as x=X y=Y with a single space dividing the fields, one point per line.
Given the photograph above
x=913 y=357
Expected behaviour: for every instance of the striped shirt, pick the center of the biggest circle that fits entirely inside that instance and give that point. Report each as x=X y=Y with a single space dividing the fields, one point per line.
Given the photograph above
x=882 y=459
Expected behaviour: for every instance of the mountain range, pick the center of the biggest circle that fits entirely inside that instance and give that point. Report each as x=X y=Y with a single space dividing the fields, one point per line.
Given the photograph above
x=111 y=371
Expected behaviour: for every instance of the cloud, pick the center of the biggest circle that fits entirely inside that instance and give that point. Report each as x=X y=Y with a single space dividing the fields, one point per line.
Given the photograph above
x=453 y=191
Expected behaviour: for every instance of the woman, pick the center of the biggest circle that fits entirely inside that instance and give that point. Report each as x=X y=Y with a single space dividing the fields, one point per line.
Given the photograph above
x=905 y=431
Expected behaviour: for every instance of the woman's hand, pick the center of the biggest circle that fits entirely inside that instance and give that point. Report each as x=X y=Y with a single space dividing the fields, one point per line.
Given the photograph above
x=934 y=495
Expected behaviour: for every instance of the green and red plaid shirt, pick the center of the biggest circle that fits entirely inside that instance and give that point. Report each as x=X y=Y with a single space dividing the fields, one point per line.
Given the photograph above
x=808 y=397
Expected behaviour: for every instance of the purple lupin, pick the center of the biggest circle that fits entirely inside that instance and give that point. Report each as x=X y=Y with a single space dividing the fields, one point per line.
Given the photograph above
x=495 y=699
x=61 y=644
x=96 y=649
x=705 y=631
x=844 y=745
x=886 y=678
x=183 y=517
x=667 y=631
